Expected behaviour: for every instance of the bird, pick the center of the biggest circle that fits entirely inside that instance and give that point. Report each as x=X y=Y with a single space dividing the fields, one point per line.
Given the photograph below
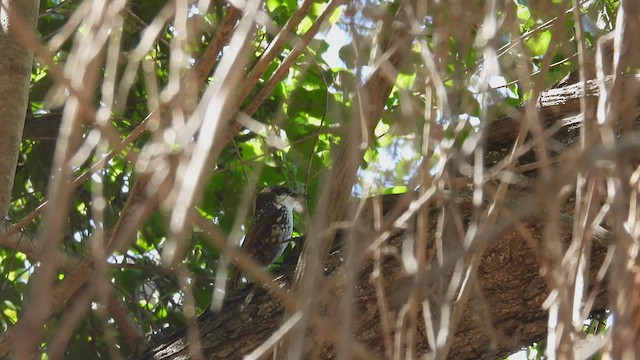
x=271 y=228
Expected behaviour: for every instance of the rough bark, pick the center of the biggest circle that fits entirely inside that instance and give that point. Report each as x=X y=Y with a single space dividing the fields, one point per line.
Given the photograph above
x=504 y=313
x=15 y=72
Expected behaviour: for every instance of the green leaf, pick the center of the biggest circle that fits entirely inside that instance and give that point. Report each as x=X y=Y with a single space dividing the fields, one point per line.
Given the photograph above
x=538 y=42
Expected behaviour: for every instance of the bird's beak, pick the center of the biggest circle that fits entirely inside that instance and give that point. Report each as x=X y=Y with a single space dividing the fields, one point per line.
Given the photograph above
x=300 y=199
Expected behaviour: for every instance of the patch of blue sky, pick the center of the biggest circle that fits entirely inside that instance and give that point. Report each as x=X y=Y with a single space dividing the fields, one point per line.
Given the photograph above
x=336 y=38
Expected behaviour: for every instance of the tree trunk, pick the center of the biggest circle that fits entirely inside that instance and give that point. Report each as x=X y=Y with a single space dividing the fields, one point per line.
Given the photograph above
x=15 y=73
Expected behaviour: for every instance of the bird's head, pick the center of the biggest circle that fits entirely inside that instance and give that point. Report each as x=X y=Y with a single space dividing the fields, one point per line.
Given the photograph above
x=281 y=195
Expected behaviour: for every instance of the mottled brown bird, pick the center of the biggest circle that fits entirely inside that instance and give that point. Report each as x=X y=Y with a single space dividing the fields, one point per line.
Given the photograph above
x=271 y=228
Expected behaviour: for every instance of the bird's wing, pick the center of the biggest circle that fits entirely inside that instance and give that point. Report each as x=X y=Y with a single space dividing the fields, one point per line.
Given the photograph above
x=261 y=228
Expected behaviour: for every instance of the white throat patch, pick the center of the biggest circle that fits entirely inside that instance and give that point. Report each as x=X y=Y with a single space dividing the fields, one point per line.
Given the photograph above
x=289 y=202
